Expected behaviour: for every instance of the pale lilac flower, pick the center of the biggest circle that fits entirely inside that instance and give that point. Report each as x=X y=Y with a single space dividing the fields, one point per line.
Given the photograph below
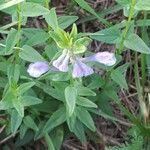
x=105 y=58
x=37 y=69
x=80 y=69
x=62 y=62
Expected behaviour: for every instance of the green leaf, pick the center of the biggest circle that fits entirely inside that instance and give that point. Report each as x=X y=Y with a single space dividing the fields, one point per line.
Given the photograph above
x=74 y=32
x=85 y=118
x=23 y=130
x=82 y=101
x=78 y=130
x=57 y=137
x=35 y=36
x=109 y=35
x=30 y=9
x=134 y=42
x=25 y=87
x=10 y=3
x=29 y=122
x=143 y=5
x=11 y=41
x=57 y=118
x=84 y=91
x=70 y=96
x=80 y=45
x=18 y=106
x=66 y=21
x=30 y=100
x=96 y=82
x=61 y=38
x=51 y=19
x=57 y=94
x=84 y=5
x=6 y=101
x=119 y=78
x=123 y=2
x=30 y=54
x=49 y=142
x=13 y=72
x=103 y=102
x=16 y=120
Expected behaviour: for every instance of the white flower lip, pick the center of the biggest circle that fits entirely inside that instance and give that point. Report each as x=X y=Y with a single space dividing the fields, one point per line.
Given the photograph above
x=37 y=69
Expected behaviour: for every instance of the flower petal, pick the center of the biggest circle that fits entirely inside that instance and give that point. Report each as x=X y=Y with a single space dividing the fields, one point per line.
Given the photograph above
x=37 y=69
x=105 y=58
x=62 y=62
x=80 y=69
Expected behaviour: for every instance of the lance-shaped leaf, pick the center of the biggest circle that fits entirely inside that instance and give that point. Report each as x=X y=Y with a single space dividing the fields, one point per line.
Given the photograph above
x=70 y=97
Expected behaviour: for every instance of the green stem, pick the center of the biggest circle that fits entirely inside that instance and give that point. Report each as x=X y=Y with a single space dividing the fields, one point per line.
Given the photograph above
x=143 y=56
x=19 y=21
x=19 y=31
x=47 y=2
x=131 y=13
x=139 y=90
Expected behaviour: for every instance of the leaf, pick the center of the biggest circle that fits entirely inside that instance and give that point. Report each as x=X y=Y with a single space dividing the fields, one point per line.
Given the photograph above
x=109 y=35
x=66 y=21
x=25 y=86
x=124 y=2
x=57 y=94
x=84 y=91
x=57 y=137
x=96 y=82
x=57 y=118
x=134 y=42
x=6 y=101
x=51 y=19
x=78 y=130
x=84 y=5
x=29 y=122
x=30 y=54
x=30 y=9
x=119 y=78
x=30 y=100
x=10 y=3
x=85 y=118
x=103 y=102
x=16 y=120
x=35 y=36
x=70 y=96
x=23 y=130
x=11 y=41
x=49 y=142
x=74 y=32
x=13 y=72
x=82 y=101
x=143 y=5
x=80 y=45
x=18 y=106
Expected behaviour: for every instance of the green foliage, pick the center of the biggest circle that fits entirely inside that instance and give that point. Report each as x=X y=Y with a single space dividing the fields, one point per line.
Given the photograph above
x=56 y=105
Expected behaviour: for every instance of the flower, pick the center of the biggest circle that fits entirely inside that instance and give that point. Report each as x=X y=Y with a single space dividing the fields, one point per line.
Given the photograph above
x=105 y=58
x=62 y=62
x=37 y=69
x=80 y=69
